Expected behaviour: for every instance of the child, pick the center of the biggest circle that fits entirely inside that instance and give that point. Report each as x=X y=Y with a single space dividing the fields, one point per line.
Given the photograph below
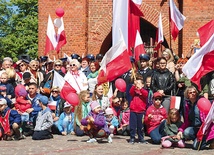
x=10 y=122
x=66 y=120
x=171 y=129
x=115 y=105
x=124 y=116
x=155 y=119
x=111 y=121
x=44 y=121
x=137 y=109
x=150 y=93
x=22 y=104
x=95 y=124
x=10 y=89
x=82 y=110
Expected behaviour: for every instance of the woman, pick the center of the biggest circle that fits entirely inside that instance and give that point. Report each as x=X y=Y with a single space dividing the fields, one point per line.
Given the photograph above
x=92 y=77
x=36 y=75
x=193 y=119
x=75 y=77
x=100 y=97
x=163 y=81
x=167 y=53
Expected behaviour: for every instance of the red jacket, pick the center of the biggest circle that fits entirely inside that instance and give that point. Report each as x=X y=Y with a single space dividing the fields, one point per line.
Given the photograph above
x=158 y=116
x=139 y=99
x=22 y=104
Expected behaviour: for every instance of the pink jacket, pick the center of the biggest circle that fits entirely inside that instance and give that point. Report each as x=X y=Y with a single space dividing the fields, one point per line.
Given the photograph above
x=124 y=117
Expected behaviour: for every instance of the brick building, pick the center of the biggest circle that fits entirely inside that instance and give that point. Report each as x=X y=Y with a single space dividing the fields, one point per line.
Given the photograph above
x=88 y=23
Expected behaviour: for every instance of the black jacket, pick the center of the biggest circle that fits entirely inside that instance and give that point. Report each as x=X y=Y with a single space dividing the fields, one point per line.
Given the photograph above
x=163 y=80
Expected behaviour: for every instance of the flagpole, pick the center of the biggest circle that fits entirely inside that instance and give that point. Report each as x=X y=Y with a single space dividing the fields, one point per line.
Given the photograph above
x=170 y=35
x=199 y=146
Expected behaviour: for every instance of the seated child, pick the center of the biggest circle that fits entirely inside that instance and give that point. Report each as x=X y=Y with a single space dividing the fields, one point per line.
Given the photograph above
x=3 y=94
x=66 y=120
x=94 y=124
x=10 y=122
x=111 y=121
x=10 y=89
x=22 y=104
x=44 y=121
x=124 y=128
x=171 y=129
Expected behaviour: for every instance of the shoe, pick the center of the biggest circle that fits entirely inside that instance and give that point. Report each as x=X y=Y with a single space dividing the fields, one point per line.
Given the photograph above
x=92 y=140
x=142 y=141
x=132 y=141
x=112 y=135
x=109 y=139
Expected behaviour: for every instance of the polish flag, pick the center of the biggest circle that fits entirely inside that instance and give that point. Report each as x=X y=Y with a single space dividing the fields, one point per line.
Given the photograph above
x=65 y=87
x=126 y=17
x=61 y=38
x=139 y=47
x=206 y=124
x=115 y=63
x=205 y=32
x=175 y=102
x=176 y=19
x=51 y=42
x=201 y=62
x=52 y=105
x=159 y=34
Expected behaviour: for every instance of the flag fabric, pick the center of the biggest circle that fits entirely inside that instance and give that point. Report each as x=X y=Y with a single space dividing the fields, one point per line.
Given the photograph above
x=139 y=47
x=51 y=42
x=175 y=102
x=52 y=105
x=115 y=63
x=125 y=17
x=206 y=124
x=65 y=87
x=176 y=19
x=205 y=32
x=159 y=34
x=61 y=38
x=200 y=63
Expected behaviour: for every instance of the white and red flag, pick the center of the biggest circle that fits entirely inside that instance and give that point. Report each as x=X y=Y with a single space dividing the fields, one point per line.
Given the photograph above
x=139 y=47
x=206 y=124
x=65 y=87
x=51 y=42
x=115 y=63
x=126 y=17
x=61 y=37
x=205 y=32
x=201 y=62
x=176 y=19
x=159 y=34
x=175 y=102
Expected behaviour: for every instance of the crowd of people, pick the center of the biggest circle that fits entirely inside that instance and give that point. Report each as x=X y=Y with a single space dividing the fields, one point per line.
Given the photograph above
x=30 y=104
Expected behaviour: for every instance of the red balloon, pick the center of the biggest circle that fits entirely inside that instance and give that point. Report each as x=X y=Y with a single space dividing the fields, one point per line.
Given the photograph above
x=120 y=85
x=72 y=98
x=204 y=105
x=60 y=12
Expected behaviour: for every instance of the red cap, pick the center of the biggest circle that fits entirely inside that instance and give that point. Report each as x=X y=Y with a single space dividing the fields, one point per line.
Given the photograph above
x=157 y=94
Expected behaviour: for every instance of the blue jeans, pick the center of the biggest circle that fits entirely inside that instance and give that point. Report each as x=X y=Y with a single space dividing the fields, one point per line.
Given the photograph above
x=158 y=133
x=190 y=133
x=25 y=117
x=135 y=122
x=203 y=144
x=67 y=125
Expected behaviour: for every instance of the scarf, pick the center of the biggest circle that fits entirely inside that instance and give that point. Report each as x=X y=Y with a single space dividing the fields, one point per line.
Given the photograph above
x=93 y=75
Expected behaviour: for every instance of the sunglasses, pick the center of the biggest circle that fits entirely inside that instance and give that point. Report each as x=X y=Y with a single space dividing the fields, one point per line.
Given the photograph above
x=192 y=92
x=35 y=65
x=21 y=65
x=158 y=99
x=73 y=65
x=57 y=65
x=54 y=91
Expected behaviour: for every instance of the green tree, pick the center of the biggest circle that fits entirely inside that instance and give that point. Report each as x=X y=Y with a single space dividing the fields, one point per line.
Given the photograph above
x=19 y=28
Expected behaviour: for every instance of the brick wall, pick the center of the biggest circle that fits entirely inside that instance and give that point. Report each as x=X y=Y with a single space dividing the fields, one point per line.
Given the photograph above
x=88 y=22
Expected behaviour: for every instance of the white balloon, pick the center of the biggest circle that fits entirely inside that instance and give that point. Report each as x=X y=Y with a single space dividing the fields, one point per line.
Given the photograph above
x=57 y=22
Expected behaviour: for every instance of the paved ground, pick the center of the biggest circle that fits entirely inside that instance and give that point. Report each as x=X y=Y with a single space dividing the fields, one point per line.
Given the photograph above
x=65 y=145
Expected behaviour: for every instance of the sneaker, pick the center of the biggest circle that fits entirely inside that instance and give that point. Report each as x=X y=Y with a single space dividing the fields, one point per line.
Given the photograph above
x=142 y=141
x=109 y=139
x=132 y=141
x=92 y=140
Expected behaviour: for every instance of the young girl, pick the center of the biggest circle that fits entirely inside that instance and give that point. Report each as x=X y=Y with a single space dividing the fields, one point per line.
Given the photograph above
x=81 y=111
x=66 y=120
x=171 y=129
x=137 y=109
x=99 y=96
x=150 y=93
x=94 y=124
x=124 y=116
